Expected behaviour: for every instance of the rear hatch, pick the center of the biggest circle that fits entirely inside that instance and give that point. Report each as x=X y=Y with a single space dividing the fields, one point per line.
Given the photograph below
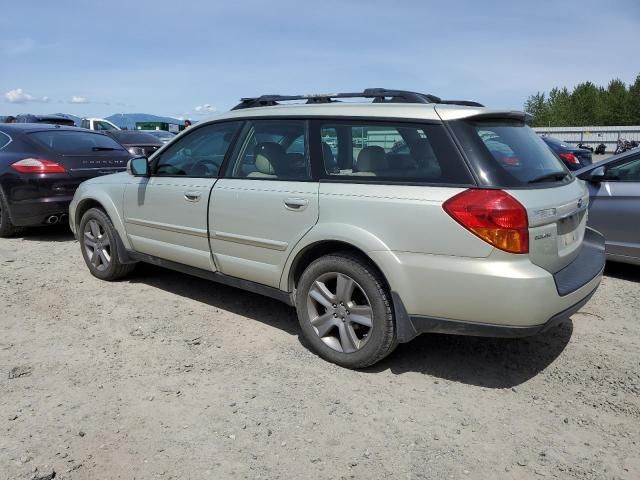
x=83 y=154
x=506 y=154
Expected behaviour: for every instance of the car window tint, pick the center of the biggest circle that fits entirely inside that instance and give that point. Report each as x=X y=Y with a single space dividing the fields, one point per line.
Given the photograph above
x=402 y=152
x=69 y=142
x=625 y=171
x=273 y=149
x=199 y=153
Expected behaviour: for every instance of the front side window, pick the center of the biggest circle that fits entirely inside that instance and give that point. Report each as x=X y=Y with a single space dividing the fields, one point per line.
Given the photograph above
x=273 y=149
x=198 y=154
x=625 y=171
x=401 y=152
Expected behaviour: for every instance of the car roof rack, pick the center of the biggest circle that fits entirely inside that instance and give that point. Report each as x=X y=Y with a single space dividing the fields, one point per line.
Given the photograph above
x=379 y=95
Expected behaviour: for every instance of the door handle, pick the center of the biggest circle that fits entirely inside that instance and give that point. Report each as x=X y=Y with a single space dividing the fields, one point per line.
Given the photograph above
x=192 y=196
x=296 y=204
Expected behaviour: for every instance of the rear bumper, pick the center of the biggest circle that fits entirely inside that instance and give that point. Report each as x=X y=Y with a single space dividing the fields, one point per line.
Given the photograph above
x=35 y=212
x=587 y=265
x=33 y=198
x=413 y=326
x=501 y=295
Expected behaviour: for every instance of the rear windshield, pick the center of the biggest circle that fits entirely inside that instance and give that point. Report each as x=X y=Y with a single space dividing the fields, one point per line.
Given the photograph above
x=507 y=153
x=68 y=142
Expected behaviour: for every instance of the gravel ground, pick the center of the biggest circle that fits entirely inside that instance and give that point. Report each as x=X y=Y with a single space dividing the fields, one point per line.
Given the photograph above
x=172 y=377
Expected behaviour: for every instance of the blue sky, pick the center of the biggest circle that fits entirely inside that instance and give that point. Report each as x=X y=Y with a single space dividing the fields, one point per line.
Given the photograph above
x=191 y=58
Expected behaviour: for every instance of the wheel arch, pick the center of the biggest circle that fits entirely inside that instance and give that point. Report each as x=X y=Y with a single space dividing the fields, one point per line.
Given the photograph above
x=314 y=250
x=106 y=204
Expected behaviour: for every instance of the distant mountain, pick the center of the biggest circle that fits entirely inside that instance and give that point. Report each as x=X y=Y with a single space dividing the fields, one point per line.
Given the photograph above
x=128 y=120
x=125 y=120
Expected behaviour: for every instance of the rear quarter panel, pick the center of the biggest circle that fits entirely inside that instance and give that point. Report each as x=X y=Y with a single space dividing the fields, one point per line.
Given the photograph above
x=389 y=218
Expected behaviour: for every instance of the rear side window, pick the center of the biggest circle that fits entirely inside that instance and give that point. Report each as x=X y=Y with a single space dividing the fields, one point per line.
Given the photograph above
x=506 y=153
x=389 y=151
x=68 y=142
x=272 y=150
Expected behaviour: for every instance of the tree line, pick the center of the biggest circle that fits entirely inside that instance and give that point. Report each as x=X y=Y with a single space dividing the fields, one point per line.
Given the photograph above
x=587 y=105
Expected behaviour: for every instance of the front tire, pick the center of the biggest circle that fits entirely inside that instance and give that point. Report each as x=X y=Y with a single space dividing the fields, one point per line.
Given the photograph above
x=98 y=242
x=344 y=310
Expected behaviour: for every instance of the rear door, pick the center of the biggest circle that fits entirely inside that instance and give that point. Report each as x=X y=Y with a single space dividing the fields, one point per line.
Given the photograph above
x=166 y=214
x=266 y=201
x=615 y=207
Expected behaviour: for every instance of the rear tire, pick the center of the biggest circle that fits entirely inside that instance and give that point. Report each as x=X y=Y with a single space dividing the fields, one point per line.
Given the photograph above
x=7 y=228
x=99 y=246
x=344 y=310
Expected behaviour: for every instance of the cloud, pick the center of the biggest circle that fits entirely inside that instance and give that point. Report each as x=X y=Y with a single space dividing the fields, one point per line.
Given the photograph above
x=18 y=95
x=204 y=109
x=77 y=99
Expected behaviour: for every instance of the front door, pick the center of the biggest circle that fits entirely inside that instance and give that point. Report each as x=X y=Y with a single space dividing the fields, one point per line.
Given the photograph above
x=265 y=203
x=166 y=214
x=615 y=207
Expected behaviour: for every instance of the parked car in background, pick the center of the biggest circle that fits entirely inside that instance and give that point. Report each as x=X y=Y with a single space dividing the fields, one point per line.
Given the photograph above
x=42 y=165
x=136 y=142
x=573 y=157
x=614 y=204
x=163 y=135
x=373 y=245
x=50 y=119
x=99 y=124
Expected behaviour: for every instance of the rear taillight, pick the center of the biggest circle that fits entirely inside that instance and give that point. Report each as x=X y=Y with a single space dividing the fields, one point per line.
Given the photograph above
x=494 y=216
x=570 y=157
x=37 y=165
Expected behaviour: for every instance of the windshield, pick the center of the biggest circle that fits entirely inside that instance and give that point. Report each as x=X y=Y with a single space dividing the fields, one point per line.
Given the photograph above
x=506 y=153
x=130 y=138
x=68 y=142
x=161 y=134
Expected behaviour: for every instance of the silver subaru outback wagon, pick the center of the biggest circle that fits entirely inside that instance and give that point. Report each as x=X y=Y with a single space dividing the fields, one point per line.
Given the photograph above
x=377 y=220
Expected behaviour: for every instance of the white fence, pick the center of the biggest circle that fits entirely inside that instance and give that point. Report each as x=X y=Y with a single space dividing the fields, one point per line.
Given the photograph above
x=592 y=136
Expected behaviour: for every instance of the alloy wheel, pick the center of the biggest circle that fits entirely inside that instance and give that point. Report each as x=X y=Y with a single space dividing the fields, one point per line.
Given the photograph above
x=340 y=312
x=97 y=245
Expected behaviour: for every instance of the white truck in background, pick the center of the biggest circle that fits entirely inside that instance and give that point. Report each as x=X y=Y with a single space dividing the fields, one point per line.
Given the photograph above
x=99 y=124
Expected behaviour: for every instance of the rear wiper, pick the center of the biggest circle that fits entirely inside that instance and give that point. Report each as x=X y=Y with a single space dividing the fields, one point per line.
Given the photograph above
x=549 y=176
x=104 y=149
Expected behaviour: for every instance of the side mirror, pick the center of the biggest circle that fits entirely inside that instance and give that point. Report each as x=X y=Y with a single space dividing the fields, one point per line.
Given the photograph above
x=596 y=175
x=138 y=167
